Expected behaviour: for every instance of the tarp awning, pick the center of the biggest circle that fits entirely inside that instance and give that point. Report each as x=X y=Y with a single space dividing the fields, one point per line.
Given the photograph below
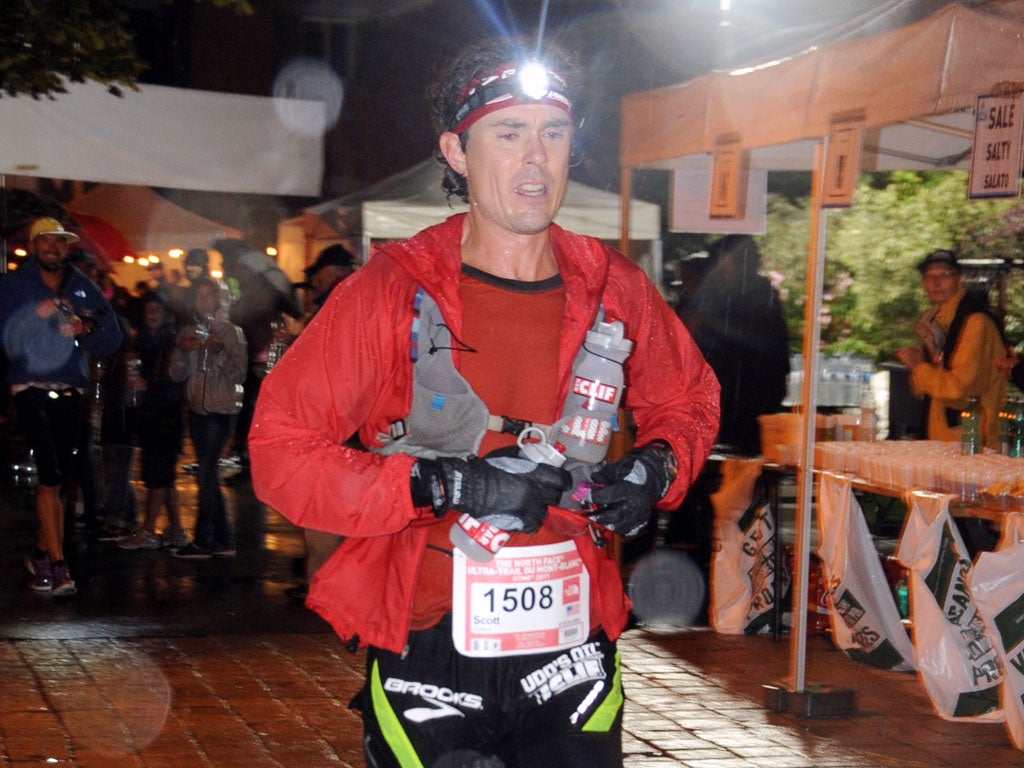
x=916 y=88
x=165 y=137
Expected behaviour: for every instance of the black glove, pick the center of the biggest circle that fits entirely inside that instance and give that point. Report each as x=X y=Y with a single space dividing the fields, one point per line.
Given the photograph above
x=625 y=491
x=508 y=492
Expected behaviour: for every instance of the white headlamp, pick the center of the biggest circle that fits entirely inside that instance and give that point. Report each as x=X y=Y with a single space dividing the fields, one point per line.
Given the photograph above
x=534 y=82
x=509 y=84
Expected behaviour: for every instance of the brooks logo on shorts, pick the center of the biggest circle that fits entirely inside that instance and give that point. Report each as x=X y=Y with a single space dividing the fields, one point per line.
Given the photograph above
x=443 y=702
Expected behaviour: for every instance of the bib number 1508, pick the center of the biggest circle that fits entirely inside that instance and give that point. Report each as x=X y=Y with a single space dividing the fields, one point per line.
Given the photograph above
x=512 y=599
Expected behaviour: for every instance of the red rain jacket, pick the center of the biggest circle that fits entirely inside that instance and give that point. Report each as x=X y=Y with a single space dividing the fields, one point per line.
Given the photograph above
x=350 y=370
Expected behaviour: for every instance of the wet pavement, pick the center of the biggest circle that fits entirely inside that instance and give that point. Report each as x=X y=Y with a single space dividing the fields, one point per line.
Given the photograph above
x=162 y=662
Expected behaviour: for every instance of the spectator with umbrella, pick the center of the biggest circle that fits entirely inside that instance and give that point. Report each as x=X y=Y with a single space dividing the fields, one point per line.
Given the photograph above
x=265 y=293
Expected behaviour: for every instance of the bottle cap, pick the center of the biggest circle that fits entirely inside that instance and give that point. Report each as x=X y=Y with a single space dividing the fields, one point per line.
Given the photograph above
x=610 y=337
x=538 y=449
x=542 y=453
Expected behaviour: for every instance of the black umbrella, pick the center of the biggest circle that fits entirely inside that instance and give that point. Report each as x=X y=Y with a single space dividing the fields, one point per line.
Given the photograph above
x=244 y=262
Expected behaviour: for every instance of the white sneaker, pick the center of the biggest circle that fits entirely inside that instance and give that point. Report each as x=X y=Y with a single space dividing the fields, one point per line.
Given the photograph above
x=141 y=539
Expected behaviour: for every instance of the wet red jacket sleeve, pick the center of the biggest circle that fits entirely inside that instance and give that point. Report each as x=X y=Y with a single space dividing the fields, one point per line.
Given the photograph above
x=670 y=389
x=331 y=382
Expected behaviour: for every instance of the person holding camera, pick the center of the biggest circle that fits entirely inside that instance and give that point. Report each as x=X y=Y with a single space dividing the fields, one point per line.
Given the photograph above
x=52 y=318
x=211 y=358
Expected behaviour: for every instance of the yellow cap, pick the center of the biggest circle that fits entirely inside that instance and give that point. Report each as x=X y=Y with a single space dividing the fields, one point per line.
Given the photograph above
x=48 y=226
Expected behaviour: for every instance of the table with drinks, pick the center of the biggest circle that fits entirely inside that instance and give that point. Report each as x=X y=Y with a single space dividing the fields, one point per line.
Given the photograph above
x=966 y=608
x=985 y=485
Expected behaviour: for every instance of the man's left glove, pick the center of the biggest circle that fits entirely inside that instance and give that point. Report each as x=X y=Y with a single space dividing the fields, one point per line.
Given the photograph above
x=624 y=492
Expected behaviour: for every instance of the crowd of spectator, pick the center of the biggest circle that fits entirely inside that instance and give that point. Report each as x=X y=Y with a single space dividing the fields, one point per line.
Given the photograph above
x=191 y=351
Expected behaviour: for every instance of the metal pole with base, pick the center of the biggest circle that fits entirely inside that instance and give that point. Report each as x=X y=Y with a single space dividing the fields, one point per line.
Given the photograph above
x=793 y=694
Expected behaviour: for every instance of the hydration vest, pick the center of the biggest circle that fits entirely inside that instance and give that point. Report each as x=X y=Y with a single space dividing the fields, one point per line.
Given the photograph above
x=447 y=418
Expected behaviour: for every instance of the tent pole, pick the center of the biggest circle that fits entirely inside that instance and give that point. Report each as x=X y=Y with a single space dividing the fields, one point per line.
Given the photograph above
x=809 y=400
x=794 y=694
x=625 y=190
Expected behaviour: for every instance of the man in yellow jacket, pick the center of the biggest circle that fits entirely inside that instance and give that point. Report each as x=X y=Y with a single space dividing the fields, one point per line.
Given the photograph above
x=961 y=339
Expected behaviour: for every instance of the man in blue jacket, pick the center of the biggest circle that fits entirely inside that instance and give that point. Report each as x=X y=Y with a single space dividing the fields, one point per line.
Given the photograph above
x=52 y=318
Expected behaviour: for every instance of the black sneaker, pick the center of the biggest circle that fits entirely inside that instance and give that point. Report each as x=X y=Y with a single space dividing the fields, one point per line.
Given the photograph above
x=192 y=552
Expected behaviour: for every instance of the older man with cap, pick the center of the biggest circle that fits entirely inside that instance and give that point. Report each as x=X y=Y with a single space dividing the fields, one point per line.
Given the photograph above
x=52 y=318
x=960 y=340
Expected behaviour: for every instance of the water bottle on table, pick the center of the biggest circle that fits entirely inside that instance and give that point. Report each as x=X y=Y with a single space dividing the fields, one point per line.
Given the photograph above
x=970 y=428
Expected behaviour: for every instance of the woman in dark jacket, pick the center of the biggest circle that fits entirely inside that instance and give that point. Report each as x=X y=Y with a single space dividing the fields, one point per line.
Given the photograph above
x=161 y=424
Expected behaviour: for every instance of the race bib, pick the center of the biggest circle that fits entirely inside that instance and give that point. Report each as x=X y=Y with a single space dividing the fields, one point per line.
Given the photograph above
x=524 y=600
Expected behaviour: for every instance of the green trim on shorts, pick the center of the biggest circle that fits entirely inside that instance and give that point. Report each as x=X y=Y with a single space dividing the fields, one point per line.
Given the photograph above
x=604 y=717
x=390 y=727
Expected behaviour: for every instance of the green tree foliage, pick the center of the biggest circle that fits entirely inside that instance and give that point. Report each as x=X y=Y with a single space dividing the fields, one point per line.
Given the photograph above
x=48 y=41
x=872 y=293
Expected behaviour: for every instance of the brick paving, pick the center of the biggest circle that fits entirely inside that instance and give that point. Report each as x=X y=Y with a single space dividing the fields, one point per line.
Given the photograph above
x=160 y=663
x=275 y=700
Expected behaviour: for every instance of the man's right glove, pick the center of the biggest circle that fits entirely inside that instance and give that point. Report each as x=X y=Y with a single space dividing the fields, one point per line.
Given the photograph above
x=508 y=492
x=624 y=492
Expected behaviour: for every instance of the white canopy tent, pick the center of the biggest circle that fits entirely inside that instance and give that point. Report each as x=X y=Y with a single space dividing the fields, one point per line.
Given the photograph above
x=401 y=205
x=915 y=89
x=165 y=137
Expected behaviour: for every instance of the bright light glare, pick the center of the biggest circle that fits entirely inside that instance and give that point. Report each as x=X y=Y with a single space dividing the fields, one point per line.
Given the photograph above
x=216 y=274
x=271 y=250
x=533 y=79
x=20 y=252
x=129 y=259
x=175 y=253
x=143 y=262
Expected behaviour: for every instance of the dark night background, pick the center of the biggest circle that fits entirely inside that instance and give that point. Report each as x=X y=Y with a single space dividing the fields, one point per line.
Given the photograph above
x=386 y=51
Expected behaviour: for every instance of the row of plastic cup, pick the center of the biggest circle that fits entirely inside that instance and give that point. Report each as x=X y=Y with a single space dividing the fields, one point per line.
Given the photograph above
x=925 y=464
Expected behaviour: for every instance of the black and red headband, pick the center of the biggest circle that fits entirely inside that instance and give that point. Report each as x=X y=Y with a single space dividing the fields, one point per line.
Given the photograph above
x=509 y=85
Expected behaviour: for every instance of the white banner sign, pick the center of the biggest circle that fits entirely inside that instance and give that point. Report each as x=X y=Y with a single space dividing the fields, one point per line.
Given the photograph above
x=995 y=164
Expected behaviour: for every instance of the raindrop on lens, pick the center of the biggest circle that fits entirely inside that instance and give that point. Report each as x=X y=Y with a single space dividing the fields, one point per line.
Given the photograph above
x=300 y=82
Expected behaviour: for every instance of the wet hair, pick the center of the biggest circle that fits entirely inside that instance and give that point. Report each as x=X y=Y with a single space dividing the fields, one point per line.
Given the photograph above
x=446 y=93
